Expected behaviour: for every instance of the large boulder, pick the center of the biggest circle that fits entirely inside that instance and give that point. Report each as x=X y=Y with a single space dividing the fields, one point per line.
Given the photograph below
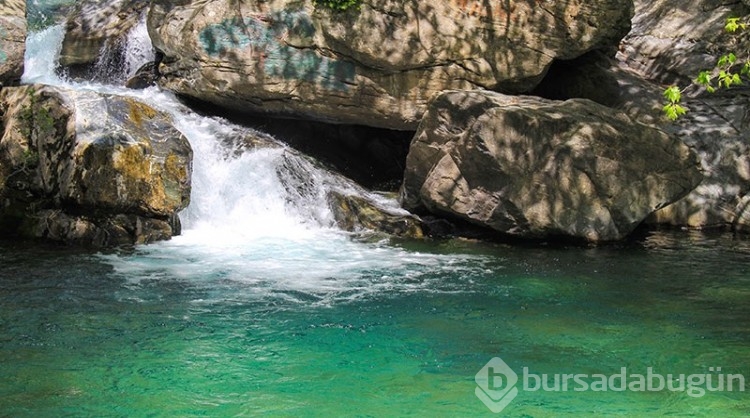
x=537 y=168
x=89 y=168
x=377 y=64
x=12 y=41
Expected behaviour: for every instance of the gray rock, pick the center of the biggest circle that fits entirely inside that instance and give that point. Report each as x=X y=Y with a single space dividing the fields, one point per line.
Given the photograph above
x=717 y=128
x=670 y=44
x=12 y=41
x=98 y=231
x=88 y=158
x=352 y=208
x=96 y=34
x=537 y=168
x=355 y=212
x=376 y=65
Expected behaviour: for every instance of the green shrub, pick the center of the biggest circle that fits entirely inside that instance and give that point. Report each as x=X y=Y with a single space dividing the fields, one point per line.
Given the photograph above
x=339 y=5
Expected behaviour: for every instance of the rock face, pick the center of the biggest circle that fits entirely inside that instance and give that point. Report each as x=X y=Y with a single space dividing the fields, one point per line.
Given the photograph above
x=96 y=33
x=376 y=65
x=670 y=44
x=536 y=168
x=717 y=128
x=88 y=168
x=12 y=40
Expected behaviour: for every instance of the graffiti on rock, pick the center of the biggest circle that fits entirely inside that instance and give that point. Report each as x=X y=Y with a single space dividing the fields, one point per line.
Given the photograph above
x=3 y=55
x=264 y=38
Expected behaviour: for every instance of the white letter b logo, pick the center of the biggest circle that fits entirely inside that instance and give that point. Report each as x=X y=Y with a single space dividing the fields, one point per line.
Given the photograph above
x=496 y=385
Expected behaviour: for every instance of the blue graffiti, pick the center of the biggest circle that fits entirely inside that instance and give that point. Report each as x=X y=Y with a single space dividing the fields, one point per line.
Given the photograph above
x=222 y=38
x=3 y=55
x=265 y=37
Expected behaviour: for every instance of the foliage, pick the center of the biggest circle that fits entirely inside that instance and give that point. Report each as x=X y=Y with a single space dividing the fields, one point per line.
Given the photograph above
x=673 y=110
x=729 y=71
x=339 y=5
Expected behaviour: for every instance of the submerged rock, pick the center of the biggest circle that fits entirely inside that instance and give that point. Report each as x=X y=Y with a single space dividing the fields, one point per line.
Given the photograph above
x=537 y=168
x=12 y=41
x=377 y=64
x=85 y=167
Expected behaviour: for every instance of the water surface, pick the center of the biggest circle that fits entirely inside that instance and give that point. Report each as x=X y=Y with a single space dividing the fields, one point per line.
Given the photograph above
x=378 y=329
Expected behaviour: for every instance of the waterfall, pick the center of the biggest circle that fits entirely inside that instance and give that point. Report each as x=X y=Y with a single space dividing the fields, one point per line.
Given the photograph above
x=138 y=50
x=257 y=216
x=41 y=56
x=271 y=191
x=118 y=61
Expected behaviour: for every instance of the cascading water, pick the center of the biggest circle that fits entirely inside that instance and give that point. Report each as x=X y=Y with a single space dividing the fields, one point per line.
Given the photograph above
x=258 y=216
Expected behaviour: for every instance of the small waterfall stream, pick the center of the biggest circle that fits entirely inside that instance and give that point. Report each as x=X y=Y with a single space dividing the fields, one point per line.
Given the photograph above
x=259 y=216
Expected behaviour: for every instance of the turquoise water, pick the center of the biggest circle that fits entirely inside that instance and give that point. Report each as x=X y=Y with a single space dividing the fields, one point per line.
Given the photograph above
x=375 y=328
x=261 y=308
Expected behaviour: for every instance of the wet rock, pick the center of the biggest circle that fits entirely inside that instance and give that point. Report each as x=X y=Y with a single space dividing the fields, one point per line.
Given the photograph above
x=536 y=168
x=345 y=204
x=96 y=231
x=144 y=77
x=96 y=33
x=357 y=213
x=80 y=166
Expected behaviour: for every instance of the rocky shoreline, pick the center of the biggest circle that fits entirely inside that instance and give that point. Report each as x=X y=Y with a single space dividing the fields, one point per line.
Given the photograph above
x=536 y=120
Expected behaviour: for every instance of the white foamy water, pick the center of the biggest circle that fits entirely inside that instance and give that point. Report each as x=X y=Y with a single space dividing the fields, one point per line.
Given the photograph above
x=41 y=56
x=258 y=218
x=138 y=50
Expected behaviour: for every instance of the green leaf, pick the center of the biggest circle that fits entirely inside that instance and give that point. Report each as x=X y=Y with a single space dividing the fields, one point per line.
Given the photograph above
x=725 y=78
x=727 y=60
x=733 y=23
x=673 y=94
x=704 y=78
x=673 y=111
x=746 y=69
x=722 y=61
